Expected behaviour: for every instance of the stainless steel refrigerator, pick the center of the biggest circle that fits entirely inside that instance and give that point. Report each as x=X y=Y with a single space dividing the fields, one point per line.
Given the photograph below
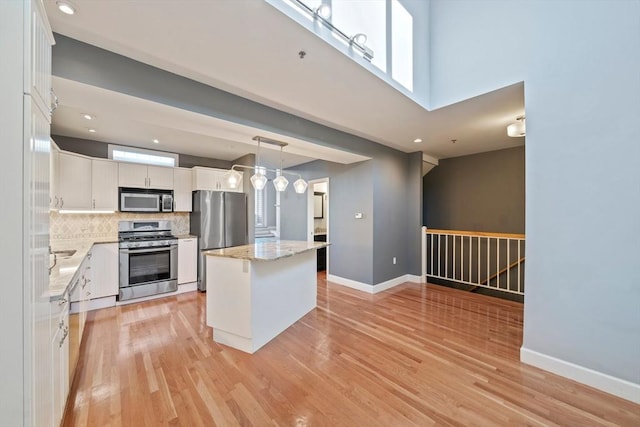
x=219 y=219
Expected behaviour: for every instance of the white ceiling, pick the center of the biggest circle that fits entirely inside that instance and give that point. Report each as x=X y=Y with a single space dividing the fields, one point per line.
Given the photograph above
x=249 y=48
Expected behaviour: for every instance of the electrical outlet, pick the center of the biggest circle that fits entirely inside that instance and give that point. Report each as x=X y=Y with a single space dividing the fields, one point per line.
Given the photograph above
x=394 y=260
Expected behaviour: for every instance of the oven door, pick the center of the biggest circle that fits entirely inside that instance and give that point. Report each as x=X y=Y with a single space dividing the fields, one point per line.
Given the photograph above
x=141 y=266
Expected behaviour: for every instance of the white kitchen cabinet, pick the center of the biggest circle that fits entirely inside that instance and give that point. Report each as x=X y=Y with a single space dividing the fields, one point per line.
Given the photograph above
x=182 y=198
x=54 y=190
x=104 y=269
x=59 y=357
x=104 y=185
x=160 y=177
x=135 y=175
x=38 y=71
x=74 y=181
x=187 y=260
x=212 y=179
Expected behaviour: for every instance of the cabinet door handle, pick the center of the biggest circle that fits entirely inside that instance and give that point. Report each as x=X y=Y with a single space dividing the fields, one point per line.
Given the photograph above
x=57 y=201
x=94 y=203
x=61 y=202
x=64 y=336
x=62 y=302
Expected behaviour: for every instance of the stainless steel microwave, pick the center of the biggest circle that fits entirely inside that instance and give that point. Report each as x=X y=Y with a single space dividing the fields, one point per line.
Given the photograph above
x=145 y=200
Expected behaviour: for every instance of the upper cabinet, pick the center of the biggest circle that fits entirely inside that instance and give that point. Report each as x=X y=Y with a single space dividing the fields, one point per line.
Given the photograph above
x=104 y=185
x=82 y=183
x=134 y=175
x=54 y=190
x=212 y=179
x=182 y=190
x=74 y=181
x=38 y=71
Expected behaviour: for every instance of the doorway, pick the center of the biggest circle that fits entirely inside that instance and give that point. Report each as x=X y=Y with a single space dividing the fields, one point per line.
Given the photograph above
x=318 y=218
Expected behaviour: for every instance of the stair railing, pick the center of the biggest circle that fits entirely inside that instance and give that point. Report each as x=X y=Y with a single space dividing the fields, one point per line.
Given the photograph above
x=478 y=259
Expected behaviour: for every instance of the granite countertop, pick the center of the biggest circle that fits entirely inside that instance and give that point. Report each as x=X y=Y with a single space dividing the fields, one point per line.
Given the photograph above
x=66 y=267
x=267 y=251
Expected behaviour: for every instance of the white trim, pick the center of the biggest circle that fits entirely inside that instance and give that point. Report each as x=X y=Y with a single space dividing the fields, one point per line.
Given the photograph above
x=99 y=303
x=373 y=289
x=607 y=383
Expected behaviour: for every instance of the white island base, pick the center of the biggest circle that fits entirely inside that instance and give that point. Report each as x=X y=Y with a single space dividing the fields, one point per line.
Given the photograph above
x=250 y=302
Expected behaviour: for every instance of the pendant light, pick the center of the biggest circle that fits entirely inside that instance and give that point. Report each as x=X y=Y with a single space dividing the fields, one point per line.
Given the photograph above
x=300 y=185
x=280 y=182
x=258 y=180
x=232 y=178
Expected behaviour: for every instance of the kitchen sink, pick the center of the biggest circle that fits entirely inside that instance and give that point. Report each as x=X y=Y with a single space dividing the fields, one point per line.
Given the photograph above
x=65 y=254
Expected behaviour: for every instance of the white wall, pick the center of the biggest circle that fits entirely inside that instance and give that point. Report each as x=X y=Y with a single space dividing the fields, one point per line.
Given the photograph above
x=580 y=62
x=11 y=194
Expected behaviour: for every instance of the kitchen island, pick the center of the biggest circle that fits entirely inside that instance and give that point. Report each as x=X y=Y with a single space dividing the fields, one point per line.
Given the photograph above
x=254 y=292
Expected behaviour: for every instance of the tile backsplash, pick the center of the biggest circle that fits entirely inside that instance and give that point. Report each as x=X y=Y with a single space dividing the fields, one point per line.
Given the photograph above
x=80 y=226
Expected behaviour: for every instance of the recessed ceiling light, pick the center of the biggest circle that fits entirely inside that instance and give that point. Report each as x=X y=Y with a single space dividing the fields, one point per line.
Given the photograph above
x=156 y=141
x=88 y=116
x=417 y=140
x=92 y=131
x=66 y=7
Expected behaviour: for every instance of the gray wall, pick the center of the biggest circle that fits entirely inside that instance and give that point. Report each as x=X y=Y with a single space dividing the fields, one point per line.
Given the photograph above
x=84 y=63
x=582 y=89
x=248 y=160
x=481 y=192
x=100 y=150
x=350 y=191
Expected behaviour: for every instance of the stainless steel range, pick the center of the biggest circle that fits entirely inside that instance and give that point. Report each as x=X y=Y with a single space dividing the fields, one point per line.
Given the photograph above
x=148 y=258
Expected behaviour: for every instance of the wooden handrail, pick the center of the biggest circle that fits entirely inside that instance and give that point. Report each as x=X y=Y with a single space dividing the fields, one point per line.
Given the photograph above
x=494 y=275
x=475 y=233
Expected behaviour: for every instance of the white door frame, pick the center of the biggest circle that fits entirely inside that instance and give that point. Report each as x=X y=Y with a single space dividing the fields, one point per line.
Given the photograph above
x=310 y=223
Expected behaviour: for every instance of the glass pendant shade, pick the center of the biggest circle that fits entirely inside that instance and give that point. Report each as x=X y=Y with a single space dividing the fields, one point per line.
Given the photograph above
x=300 y=186
x=258 y=180
x=280 y=183
x=232 y=178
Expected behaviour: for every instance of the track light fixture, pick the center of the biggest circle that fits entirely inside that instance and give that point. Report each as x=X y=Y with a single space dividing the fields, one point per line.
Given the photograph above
x=324 y=12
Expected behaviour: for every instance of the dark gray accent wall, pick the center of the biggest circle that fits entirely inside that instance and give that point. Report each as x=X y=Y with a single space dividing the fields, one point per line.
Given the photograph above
x=87 y=147
x=353 y=255
x=481 y=192
x=100 y=150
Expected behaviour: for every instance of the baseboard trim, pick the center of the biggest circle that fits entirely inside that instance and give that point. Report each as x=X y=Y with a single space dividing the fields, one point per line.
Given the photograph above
x=607 y=383
x=373 y=289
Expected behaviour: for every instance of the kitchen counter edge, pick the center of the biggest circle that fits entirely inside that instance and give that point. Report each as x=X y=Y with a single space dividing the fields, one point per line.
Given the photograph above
x=267 y=251
x=64 y=271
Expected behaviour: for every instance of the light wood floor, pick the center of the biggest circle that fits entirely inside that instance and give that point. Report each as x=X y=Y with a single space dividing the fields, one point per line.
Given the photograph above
x=414 y=355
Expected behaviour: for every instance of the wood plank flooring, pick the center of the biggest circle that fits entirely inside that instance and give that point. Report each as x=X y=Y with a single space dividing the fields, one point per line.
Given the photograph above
x=413 y=355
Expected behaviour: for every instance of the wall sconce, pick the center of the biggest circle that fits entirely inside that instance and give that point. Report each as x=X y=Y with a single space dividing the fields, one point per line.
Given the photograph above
x=517 y=128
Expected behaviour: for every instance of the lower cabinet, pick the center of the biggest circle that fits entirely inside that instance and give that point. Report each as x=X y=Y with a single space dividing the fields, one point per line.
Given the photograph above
x=322 y=252
x=80 y=291
x=104 y=270
x=59 y=357
x=187 y=260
